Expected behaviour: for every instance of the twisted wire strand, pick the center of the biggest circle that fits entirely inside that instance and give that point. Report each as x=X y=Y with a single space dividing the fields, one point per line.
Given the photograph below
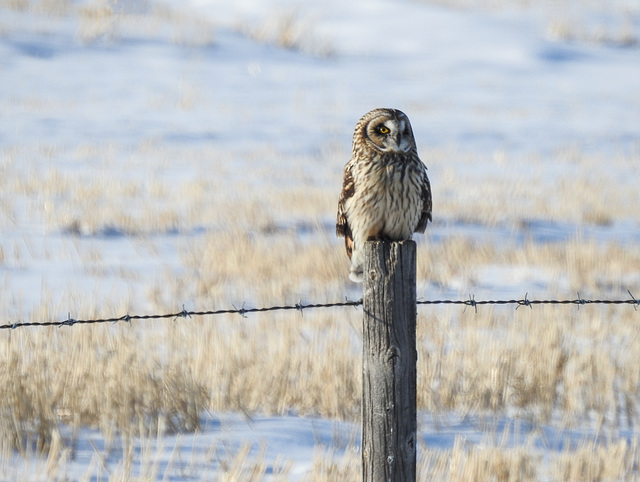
x=243 y=312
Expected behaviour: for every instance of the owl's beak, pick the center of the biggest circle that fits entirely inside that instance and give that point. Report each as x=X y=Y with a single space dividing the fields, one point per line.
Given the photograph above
x=396 y=143
x=403 y=143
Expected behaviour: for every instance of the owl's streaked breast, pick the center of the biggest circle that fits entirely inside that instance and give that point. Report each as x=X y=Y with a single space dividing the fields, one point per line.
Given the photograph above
x=387 y=199
x=386 y=192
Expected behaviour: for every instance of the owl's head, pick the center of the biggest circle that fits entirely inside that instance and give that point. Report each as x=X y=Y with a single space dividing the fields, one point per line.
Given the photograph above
x=385 y=130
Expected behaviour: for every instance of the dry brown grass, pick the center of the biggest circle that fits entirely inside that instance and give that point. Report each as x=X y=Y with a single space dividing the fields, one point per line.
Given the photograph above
x=89 y=203
x=111 y=20
x=103 y=19
x=255 y=252
x=571 y=186
x=466 y=462
x=536 y=361
x=617 y=461
x=288 y=29
x=139 y=380
x=594 y=21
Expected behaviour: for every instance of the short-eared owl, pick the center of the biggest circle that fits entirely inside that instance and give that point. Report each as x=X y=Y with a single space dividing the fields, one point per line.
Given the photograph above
x=385 y=192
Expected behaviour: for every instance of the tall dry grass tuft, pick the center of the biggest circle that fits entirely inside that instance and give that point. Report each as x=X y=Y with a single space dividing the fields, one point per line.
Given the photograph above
x=327 y=466
x=245 y=266
x=505 y=361
x=614 y=461
x=28 y=419
x=310 y=367
x=113 y=21
x=290 y=30
x=590 y=21
x=242 y=465
x=536 y=361
x=598 y=195
x=102 y=379
x=473 y=463
x=15 y=5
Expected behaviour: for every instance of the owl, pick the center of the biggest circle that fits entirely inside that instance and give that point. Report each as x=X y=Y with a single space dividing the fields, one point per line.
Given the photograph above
x=386 y=193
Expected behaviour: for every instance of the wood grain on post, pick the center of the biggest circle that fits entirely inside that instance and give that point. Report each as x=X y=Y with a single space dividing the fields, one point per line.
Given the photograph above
x=389 y=362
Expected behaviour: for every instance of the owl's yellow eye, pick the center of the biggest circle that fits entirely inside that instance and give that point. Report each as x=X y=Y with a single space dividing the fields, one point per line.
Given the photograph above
x=383 y=130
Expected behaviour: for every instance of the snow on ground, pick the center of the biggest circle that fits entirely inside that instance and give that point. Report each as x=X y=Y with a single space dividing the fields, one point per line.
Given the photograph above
x=449 y=68
x=276 y=441
x=279 y=443
x=480 y=81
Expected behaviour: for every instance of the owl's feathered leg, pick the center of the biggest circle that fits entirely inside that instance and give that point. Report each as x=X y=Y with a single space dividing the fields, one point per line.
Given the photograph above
x=356 y=275
x=357 y=265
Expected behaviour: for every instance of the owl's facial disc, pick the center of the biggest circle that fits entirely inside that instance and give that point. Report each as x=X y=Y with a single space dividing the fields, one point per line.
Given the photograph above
x=392 y=135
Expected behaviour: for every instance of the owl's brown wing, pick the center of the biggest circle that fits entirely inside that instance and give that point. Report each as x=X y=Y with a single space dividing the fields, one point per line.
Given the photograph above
x=342 y=225
x=425 y=215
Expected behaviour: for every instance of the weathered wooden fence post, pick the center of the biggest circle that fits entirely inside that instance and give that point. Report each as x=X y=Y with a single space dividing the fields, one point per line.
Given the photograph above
x=389 y=362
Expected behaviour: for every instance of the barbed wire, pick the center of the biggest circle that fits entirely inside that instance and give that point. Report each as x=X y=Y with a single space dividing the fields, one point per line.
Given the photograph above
x=300 y=306
x=530 y=303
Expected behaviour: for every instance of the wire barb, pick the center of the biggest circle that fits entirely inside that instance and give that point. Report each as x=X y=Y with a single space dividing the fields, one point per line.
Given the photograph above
x=183 y=314
x=634 y=301
x=472 y=302
x=242 y=312
x=68 y=322
x=581 y=301
x=524 y=302
x=355 y=304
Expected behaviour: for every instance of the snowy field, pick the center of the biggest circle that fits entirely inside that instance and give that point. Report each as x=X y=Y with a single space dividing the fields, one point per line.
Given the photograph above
x=142 y=144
